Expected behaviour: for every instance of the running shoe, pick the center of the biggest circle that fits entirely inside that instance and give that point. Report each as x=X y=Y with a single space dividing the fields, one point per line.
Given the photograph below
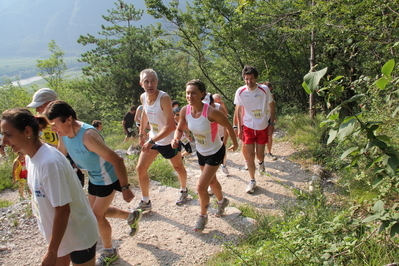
x=201 y=223
x=221 y=207
x=133 y=222
x=251 y=187
x=182 y=197
x=261 y=167
x=107 y=257
x=144 y=206
x=224 y=169
x=271 y=156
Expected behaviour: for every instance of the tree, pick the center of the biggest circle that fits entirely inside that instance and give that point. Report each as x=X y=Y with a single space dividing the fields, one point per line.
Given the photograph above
x=53 y=68
x=120 y=53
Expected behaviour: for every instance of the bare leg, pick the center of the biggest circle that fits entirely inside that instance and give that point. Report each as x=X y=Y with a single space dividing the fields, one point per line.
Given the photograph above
x=250 y=151
x=207 y=174
x=177 y=163
x=145 y=160
x=260 y=152
x=100 y=208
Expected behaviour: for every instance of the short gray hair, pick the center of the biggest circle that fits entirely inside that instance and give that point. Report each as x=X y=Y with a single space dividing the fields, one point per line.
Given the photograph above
x=147 y=71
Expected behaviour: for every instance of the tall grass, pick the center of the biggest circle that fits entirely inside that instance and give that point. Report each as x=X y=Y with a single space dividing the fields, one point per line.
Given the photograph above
x=313 y=230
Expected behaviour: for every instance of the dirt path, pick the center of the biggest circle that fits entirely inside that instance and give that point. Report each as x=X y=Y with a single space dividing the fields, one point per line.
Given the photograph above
x=166 y=235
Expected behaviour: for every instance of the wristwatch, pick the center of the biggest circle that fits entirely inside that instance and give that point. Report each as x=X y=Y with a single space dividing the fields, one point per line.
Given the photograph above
x=151 y=142
x=125 y=187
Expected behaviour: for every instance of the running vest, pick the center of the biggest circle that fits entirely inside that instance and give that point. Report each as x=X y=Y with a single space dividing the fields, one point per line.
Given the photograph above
x=204 y=131
x=101 y=172
x=157 y=119
x=20 y=170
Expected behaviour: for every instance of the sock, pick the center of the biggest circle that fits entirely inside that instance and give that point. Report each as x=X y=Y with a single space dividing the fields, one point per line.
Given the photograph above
x=183 y=189
x=221 y=201
x=108 y=250
x=145 y=199
x=261 y=162
x=253 y=181
x=206 y=215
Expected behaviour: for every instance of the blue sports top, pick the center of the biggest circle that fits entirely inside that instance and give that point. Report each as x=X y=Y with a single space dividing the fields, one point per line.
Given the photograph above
x=100 y=171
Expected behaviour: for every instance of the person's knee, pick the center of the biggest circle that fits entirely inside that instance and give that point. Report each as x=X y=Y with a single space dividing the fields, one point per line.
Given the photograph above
x=202 y=189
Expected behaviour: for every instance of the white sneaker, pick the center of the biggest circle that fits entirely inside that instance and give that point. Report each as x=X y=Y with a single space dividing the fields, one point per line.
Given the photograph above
x=224 y=169
x=251 y=187
x=210 y=192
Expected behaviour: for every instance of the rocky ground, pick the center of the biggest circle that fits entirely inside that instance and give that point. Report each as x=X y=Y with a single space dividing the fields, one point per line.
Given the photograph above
x=166 y=235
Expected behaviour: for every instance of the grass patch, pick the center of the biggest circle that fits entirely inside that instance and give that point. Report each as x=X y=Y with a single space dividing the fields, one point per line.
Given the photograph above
x=162 y=171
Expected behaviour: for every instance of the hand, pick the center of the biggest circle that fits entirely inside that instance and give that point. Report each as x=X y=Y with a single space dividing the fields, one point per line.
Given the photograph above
x=175 y=143
x=141 y=141
x=146 y=146
x=239 y=133
x=233 y=147
x=124 y=131
x=50 y=258
x=128 y=195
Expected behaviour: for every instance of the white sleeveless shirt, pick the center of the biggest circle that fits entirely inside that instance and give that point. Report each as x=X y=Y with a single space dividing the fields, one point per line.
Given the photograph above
x=204 y=131
x=220 y=127
x=157 y=119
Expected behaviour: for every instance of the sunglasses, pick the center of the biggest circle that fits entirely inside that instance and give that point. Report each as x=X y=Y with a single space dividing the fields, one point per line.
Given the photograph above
x=177 y=114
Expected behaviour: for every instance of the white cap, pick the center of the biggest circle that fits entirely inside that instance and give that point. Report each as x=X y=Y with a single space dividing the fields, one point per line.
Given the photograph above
x=42 y=96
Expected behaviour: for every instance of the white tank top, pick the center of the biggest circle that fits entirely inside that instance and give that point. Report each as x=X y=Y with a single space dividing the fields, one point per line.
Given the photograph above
x=157 y=119
x=205 y=133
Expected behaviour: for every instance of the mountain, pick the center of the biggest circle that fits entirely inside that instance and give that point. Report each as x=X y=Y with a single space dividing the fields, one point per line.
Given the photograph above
x=29 y=25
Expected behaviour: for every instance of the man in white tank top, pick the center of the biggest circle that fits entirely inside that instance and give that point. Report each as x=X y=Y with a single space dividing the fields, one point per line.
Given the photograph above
x=256 y=102
x=157 y=111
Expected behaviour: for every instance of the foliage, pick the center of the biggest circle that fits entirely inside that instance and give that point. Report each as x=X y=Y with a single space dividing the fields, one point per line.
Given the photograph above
x=310 y=232
x=6 y=170
x=13 y=96
x=120 y=53
x=53 y=68
x=161 y=170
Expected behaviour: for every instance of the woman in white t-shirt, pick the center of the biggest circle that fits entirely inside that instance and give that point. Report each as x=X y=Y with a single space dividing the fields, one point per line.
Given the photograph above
x=203 y=121
x=63 y=212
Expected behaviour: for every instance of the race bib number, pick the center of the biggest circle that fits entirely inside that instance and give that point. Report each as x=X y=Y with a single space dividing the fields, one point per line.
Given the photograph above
x=154 y=127
x=201 y=139
x=257 y=113
x=50 y=137
x=185 y=140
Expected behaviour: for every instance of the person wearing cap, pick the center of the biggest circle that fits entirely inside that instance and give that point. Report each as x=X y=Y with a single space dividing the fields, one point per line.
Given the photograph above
x=40 y=100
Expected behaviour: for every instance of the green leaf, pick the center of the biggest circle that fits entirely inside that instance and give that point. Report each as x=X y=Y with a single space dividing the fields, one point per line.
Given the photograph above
x=349 y=151
x=378 y=206
x=382 y=227
x=395 y=229
x=370 y=218
x=382 y=83
x=378 y=143
x=377 y=180
x=332 y=135
x=384 y=138
x=346 y=129
x=393 y=164
x=305 y=86
x=388 y=67
x=312 y=79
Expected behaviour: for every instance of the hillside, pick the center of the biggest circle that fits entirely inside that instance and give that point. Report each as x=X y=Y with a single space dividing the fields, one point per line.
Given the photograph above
x=29 y=25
